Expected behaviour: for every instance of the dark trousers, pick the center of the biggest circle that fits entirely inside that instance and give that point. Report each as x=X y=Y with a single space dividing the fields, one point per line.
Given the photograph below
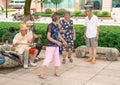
x=39 y=48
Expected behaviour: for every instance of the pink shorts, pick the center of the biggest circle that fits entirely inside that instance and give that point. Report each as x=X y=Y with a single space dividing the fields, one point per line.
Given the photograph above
x=50 y=53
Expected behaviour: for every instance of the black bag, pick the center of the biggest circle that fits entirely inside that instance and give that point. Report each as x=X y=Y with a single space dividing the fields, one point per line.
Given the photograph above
x=12 y=56
x=39 y=48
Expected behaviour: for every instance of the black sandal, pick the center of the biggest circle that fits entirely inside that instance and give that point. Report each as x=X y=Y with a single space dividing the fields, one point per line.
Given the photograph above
x=70 y=59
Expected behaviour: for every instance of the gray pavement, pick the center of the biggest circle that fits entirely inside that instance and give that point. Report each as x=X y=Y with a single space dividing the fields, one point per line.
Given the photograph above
x=76 y=73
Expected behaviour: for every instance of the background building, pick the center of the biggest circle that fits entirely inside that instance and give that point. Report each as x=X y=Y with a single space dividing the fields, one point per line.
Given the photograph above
x=72 y=5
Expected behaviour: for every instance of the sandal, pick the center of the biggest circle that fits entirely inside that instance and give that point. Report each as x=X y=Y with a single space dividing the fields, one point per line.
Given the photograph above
x=57 y=75
x=70 y=59
x=64 y=61
x=42 y=76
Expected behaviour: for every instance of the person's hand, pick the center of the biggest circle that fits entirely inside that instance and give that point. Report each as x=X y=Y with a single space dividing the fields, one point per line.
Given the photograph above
x=30 y=41
x=63 y=31
x=97 y=37
x=16 y=44
x=74 y=38
x=65 y=43
x=39 y=36
x=84 y=36
x=58 y=43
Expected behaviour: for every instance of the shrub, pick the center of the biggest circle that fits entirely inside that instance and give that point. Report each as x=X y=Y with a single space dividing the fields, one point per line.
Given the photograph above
x=109 y=36
x=105 y=14
x=83 y=14
x=96 y=13
x=62 y=11
x=77 y=13
x=9 y=10
x=72 y=14
x=42 y=14
x=38 y=13
x=48 y=11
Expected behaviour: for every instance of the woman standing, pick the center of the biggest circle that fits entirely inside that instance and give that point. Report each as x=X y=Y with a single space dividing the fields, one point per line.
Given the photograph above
x=52 y=48
x=68 y=33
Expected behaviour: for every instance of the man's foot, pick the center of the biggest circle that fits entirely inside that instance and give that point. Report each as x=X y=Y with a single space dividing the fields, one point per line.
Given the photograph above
x=33 y=64
x=64 y=61
x=93 y=61
x=42 y=76
x=88 y=60
x=25 y=66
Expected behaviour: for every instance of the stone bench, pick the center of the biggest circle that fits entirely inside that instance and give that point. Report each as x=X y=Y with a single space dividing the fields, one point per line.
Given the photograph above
x=8 y=61
x=111 y=54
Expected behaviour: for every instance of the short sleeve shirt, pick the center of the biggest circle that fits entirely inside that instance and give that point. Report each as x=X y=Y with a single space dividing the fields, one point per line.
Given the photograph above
x=30 y=35
x=20 y=39
x=54 y=30
x=91 y=26
x=69 y=27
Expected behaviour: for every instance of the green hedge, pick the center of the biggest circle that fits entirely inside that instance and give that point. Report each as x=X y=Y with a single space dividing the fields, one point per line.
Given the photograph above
x=109 y=35
x=9 y=10
x=43 y=14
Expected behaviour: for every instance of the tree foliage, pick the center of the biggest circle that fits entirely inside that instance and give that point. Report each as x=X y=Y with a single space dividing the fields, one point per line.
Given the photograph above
x=56 y=2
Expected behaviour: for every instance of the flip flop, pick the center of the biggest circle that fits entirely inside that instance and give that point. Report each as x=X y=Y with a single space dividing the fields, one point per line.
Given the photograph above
x=42 y=76
x=57 y=75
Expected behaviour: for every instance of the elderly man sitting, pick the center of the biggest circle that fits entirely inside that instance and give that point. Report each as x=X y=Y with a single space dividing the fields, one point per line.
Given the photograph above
x=21 y=43
x=34 y=36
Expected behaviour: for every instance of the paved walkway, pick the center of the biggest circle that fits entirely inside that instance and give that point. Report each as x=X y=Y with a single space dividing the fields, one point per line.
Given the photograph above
x=76 y=73
x=48 y=20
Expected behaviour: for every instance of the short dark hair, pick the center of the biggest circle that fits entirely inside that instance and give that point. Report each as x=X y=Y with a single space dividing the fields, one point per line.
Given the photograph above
x=55 y=16
x=67 y=12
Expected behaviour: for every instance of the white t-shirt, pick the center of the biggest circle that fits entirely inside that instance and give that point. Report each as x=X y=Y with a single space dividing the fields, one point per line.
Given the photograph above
x=91 y=26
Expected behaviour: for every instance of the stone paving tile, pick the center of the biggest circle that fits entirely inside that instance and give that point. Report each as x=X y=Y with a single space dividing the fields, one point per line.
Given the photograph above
x=34 y=78
x=76 y=73
x=76 y=76
x=85 y=69
x=3 y=80
x=95 y=83
x=110 y=72
x=66 y=81
x=22 y=82
x=105 y=80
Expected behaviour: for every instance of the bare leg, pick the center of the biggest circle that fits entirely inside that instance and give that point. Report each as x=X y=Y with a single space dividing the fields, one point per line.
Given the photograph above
x=42 y=72
x=64 y=54
x=90 y=55
x=94 y=55
x=57 y=71
x=69 y=55
x=94 y=52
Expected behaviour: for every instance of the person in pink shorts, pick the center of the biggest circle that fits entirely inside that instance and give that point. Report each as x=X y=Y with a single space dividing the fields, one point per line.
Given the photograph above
x=52 y=47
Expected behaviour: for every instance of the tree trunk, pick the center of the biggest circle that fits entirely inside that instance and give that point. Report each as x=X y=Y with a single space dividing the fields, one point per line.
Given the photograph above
x=56 y=7
x=27 y=10
x=41 y=7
